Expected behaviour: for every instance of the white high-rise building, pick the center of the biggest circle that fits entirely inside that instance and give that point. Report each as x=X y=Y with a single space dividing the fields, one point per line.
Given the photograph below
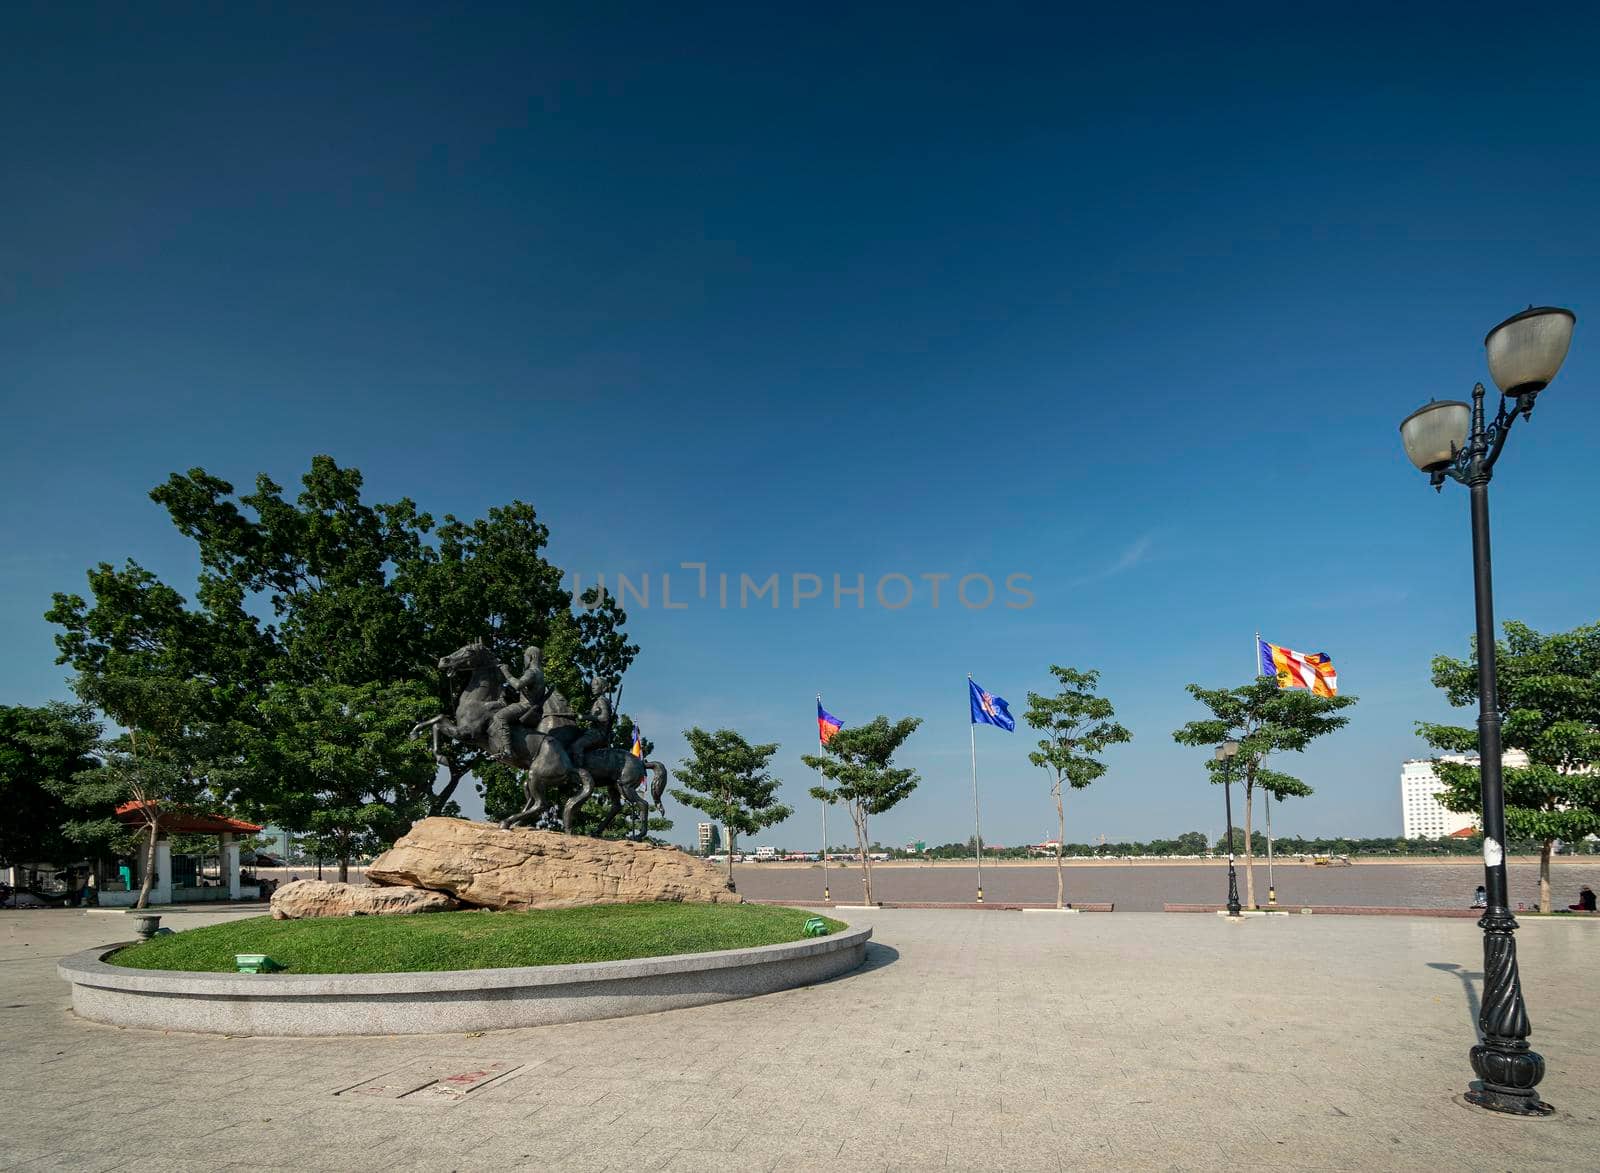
x=1422 y=816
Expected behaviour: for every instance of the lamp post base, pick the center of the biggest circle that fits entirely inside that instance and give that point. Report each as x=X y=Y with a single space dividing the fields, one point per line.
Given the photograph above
x=1511 y=1103
x=1507 y=1078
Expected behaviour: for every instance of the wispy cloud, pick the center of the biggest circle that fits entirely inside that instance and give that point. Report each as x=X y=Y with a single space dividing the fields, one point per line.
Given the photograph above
x=1135 y=554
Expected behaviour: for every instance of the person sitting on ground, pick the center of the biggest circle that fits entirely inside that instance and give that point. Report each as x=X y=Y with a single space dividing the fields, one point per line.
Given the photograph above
x=1585 y=900
x=1480 y=898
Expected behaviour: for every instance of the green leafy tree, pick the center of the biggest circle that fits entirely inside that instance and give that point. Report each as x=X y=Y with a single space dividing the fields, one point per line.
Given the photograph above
x=372 y=594
x=857 y=760
x=352 y=777
x=41 y=750
x=726 y=777
x=177 y=679
x=155 y=784
x=1549 y=706
x=1191 y=843
x=485 y=579
x=1263 y=719
x=1242 y=846
x=1077 y=724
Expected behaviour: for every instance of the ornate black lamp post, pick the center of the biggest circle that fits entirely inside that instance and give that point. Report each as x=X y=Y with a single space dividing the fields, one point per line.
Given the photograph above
x=1451 y=440
x=1225 y=754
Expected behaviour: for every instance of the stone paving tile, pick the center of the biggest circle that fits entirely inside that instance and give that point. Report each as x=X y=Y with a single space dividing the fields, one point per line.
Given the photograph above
x=975 y=1040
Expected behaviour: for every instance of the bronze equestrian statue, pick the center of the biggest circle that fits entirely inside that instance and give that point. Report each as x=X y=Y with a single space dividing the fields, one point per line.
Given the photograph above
x=523 y=722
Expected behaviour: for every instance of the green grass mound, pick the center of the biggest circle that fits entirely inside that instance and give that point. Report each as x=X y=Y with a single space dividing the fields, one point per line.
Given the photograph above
x=473 y=940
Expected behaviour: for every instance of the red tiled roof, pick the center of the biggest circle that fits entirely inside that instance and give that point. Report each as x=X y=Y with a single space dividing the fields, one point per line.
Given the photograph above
x=1464 y=833
x=185 y=822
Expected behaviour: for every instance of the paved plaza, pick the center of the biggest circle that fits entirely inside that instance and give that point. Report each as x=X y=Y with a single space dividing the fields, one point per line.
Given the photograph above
x=981 y=1039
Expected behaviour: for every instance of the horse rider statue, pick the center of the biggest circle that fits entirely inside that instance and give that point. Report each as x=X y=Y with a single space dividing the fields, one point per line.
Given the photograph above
x=598 y=734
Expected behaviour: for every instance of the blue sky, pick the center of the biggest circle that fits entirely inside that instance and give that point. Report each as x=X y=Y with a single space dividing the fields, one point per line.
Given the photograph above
x=1130 y=304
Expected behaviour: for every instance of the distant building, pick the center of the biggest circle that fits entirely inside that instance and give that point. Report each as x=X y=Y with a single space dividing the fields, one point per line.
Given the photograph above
x=1422 y=815
x=710 y=838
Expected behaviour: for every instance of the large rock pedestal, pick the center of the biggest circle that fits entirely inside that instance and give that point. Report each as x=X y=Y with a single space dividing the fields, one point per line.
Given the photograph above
x=314 y=898
x=485 y=866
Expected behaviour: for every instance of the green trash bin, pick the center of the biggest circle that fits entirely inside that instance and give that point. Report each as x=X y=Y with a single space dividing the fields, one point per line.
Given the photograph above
x=816 y=927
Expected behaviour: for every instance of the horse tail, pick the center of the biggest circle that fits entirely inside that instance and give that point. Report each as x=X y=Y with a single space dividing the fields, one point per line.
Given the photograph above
x=658 y=783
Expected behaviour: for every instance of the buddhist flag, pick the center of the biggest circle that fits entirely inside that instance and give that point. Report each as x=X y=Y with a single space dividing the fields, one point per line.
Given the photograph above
x=1312 y=670
x=637 y=750
x=827 y=724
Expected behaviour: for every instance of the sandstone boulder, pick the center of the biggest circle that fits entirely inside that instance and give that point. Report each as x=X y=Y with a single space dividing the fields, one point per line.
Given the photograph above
x=483 y=865
x=308 y=898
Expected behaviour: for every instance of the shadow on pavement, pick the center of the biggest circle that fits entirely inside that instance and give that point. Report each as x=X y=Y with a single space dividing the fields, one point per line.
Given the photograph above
x=878 y=956
x=1467 y=979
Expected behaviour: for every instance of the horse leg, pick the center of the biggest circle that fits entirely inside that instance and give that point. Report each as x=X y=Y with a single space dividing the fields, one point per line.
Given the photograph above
x=586 y=789
x=614 y=809
x=643 y=804
x=533 y=793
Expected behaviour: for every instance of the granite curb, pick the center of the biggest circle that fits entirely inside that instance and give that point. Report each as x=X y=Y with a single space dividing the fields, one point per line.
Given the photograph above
x=445 y=1000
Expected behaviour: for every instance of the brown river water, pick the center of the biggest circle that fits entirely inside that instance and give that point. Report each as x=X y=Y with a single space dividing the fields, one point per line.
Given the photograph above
x=1136 y=887
x=1143 y=887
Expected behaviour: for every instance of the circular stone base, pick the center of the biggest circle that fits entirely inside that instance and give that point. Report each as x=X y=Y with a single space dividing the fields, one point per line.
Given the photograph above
x=445 y=1001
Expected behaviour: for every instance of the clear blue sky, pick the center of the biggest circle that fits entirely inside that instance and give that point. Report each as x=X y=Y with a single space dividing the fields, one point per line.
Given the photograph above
x=1132 y=304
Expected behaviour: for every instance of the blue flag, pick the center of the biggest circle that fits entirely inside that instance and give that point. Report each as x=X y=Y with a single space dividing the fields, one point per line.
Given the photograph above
x=988 y=709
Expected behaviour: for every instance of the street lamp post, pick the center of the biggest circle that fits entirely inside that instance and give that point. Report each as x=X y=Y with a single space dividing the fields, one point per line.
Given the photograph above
x=1452 y=440
x=1225 y=754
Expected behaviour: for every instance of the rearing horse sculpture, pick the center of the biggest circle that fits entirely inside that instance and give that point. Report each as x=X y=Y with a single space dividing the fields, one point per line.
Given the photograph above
x=541 y=758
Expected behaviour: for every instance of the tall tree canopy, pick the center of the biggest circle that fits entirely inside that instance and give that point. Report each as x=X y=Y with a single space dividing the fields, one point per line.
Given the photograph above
x=1077 y=724
x=1264 y=719
x=1549 y=706
x=857 y=760
x=327 y=592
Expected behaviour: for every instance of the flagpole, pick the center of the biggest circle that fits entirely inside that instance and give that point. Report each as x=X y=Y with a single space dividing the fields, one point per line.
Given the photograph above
x=1272 y=892
x=827 y=897
x=977 y=824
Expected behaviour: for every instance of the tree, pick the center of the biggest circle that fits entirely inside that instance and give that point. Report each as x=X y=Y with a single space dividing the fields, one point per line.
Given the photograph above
x=1256 y=842
x=1077 y=724
x=351 y=775
x=371 y=594
x=1263 y=718
x=856 y=760
x=483 y=580
x=1549 y=706
x=41 y=750
x=726 y=777
x=1192 y=843
x=177 y=679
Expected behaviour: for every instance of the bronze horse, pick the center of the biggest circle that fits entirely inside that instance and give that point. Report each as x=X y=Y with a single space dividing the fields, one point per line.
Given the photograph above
x=621 y=773
x=541 y=757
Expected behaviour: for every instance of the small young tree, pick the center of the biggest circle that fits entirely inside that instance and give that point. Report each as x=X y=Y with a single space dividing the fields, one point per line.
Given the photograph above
x=1263 y=718
x=856 y=760
x=1077 y=724
x=1549 y=705
x=726 y=778
x=154 y=784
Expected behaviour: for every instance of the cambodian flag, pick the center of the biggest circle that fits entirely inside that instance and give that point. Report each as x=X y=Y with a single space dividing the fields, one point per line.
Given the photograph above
x=827 y=724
